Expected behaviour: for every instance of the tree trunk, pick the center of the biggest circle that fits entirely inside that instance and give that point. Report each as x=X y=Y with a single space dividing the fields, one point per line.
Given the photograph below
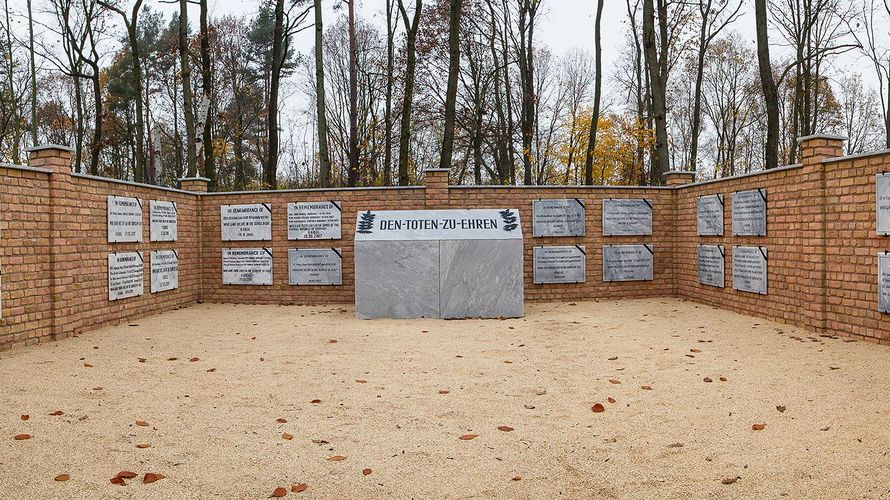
x=33 y=76
x=451 y=91
x=132 y=33
x=408 y=97
x=528 y=9
x=207 y=88
x=187 y=97
x=597 y=94
x=78 y=133
x=352 y=176
x=661 y=164
x=324 y=156
x=96 y=145
x=696 y=96
x=390 y=79
x=271 y=171
x=14 y=108
x=770 y=92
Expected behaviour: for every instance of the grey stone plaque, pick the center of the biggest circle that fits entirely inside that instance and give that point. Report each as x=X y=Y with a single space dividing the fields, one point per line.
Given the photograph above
x=408 y=225
x=882 y=181
x=480 y=278
x=627 y=217
x=125 y=275
x=560 y=217
x=628 y=262
x=247 y=266
x=560 y=264
x=246 y=222
x=163 y=220
x=749 y=266
x=712 y=265
x=164 y=270
x=884 y=282
x=124 y=219
x=314 y=220
x=749 y=213
x=396 y=279
x=710 y=215
x=315 y=266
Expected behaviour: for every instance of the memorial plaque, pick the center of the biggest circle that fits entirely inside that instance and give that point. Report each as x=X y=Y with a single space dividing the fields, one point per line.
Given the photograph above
x=163 y=219
x=316 y=220
x=124 y=219
x=712 y=265
x=882 y=182
x=627 y=262
x=749 y=213
x=560 y=264
x=247 y=266
x=710 y=215
x=125 y=275
x=884 y=282
x=558 y=217
x=246 y=222
x=627 y=217
x=164 y=270
x=315 y=266
x=749 y=266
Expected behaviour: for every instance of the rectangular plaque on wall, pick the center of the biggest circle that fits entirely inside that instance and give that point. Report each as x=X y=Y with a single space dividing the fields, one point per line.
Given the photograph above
x=711 y=265
x=749 y=213
x=315 y=266
x=124 y=275
x=710 y=215
x=559 y=217
x=749 y=269
x=560 y=264
x=884 y=282
x=628 y=262
x=882 y=181
x=246 y=222
x=314 y=220
x=247 y=266
x=124 y=219
x=163 y=219
x=627 y=217
x=164 y=270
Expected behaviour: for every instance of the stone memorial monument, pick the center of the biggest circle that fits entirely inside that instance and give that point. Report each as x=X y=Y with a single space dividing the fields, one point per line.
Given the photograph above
x=315 y=220
x=246 y=222
x=560 y=264
x=749 y=213
x=884 y=282
x=124 y=219
x=247 y=266
x=164 y=270
x=438 y=264
x=163 y=220
x=628 y=262
x=559 y=217
x=749 y=266
x=125 y=275
x=712 y=265
x=710 y=215
x=627 y=217
x=882 y=182
x=315 y=266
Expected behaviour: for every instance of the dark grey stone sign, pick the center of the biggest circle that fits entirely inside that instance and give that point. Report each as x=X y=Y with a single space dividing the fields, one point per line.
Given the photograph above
x=628 y=262
x=749 y=269
x=314 y=220
x=163 y=220
x=125 y=275
x=711 y=265
x=560 y=264
x=627 y=217
x=315 y=266
x=124 y=219
x=247 y=266
x=884 y=282
x=882 y=181
x=710 y=215
x=164 y=270
x=246 y=222
x=559 y=217
x=749 y=213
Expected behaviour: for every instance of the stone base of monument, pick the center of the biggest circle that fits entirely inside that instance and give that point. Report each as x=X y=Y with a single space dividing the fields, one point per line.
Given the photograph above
x=443 y=270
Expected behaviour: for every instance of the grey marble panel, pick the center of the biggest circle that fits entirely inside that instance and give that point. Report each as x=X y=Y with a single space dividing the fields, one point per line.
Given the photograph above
x=627 y=262
x=884 y=283
x=560 y=264
x=396 y=279
x=882 y=183
x=163 y=220
x=125 y=275
x=315 y=266
x=124 y=219
x=711 y=265
x=314 y=220
x=710 y=215
x=247 y=266
x=558 y=217
x=749 y=213
x=481 y=279
x=749 y=269
x=627 y=217
x=164 y=270
x=246 y=222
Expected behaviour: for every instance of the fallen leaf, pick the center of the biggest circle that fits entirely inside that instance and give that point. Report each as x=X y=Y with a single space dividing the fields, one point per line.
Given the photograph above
x=467 y=437
x=781 y=408
x=505 y=428
x=57 y=413
x=613 y=358
x=834 y=367
x=598 y=408
x=516 y=478
x=62 y=477
x=332 y=341
x=142 y=423
x=315 y=401
x=151 y=477
x=723 y=379
x=613 y=381
x=708 y=379
x=279 y=492
x=194 y=360
x=172 y=359
x=361 y=381
x=127 y=474
x=281 y=420
x=366 y=472
x=143 y=445
x=729 y=480
x=296 y=488
x=336 y=458
x=211 y=370
x=529 y=407
x=141 y=360
x=25 y=417
x=675 y=445
x=646 y=387
x=695 y=350
x=87 y=365
x=22 y=437
x=286 y=437
x=118 y=480
x=758 y=427
x=443 y=391
x=825 y=429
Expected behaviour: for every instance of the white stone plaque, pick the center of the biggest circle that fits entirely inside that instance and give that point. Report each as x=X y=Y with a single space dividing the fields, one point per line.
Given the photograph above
x=749 y=213
x=627 y=217
x=559 y=217
x=627 y=262
x=246 y=222
x=247 y=266
x=749 y=265
x=125 y=275
x=710 y=215
x=414 y=225
x=164 y=270
x=315 y=266
x=560 y=264
x=712 y=265
x=884 y=282
x=314 y=220
x=163 y=219
x=124 y=219
x=882 y=182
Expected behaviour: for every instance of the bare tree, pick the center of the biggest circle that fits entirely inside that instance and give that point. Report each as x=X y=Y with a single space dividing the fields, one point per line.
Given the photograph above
x=657 y=63
x=324 y=156
x=770 y=90
x=451 y=92
x=411 y=27
x=597 y=93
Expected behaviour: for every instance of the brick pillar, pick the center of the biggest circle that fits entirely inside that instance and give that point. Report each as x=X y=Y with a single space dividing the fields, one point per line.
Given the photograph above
x=63 y=256
x=678 y=177
x=812 y=268
x=436 y=182
x=196 y=184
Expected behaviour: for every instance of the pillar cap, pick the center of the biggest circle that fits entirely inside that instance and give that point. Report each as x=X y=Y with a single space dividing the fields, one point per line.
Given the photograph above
x=436 y=170
x=828 y=137
x=205 y=179
x=43 y=147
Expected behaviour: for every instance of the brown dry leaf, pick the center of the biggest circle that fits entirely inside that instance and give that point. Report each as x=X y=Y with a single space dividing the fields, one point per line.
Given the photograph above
x=646 y=387
x=279 y=492
x=729 y=480
x=758 y=427
x=22 y=437
x=613 y=358
x=57 y=413
x=141 y=360
x=25 y=417
x=723 y=379
x=366 y=472
x=62 y=477
x=211 y=370
x=695 y=350
x=825 y=429
x=194 y=360
x=286 y=437
x=118 y=480
x=516 y=478
x=143 y=445
x=708 y=379
x=834 y=367
x=315 y=401
x=781 y=408
x=336 y=458
x=611 y=400
x=505 y=428
x=467 y=437
x=332 y=341
x=598 y=408
x=98 y=388
x=127 y=474
x=444 y=391
x=87 y=365
x=151 y=477
x=361 y=381
x=142 y=423
x=614 y=381
x=281 y=420
x=296 y=488
x=172 y=359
